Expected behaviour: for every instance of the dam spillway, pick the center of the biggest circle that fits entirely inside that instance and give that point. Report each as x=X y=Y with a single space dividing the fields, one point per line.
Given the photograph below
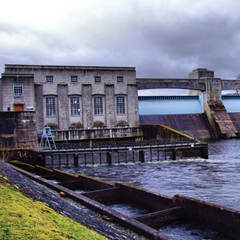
x=185 y=113
x=195 y=125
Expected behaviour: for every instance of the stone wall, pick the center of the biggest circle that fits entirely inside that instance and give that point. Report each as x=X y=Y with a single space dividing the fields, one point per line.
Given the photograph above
x=87 y=106
x=18 y=130
x=63 y=106
x=39 y=106
x=9 y=100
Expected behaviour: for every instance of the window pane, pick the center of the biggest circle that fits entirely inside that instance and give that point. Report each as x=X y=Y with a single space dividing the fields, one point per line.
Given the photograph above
x=119 y=79
x=98 y=106
x=49 y=78
x=17 y=89
x=120 y=105
x=74 y=78
x=97 y=79
x=75 y=109
x=50 y=106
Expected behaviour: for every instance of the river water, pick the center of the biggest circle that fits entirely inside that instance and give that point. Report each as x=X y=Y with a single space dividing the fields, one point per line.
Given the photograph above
x=215 y=180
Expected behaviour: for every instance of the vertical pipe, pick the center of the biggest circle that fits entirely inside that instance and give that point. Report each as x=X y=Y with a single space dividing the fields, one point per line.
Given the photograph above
x=92 y=159
x=118 y=157
x=85 y=160
x=67 y=158
x=109 y=158
x=75 y=159
x=100 y=157
x=174 y=153
x=205 y=151
x=141 y=156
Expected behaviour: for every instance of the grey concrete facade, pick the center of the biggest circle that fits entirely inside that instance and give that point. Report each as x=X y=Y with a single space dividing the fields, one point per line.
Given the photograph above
x=65 y=96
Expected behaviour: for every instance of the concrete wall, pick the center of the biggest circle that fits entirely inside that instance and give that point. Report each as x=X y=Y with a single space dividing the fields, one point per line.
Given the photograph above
x=195 y=125
x=9 y=100
x=87 y=106
x=63 y=106
x=39 y=106
x=18 y=130
x=201 y=73
x=132 y=106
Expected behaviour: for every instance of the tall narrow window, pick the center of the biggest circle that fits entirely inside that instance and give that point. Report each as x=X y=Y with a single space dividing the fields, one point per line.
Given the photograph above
x=50 y=106
x=98 y=106
x=75 y=109
x=49 y=78
x=18 y=89
x=120 y=105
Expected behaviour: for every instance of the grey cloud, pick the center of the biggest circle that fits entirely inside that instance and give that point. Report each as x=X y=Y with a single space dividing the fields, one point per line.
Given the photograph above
x=158 y=42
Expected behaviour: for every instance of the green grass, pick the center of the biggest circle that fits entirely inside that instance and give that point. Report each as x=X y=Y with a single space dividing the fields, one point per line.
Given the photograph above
x=23 y=218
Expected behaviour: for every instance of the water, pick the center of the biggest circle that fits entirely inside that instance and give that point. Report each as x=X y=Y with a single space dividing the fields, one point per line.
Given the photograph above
x=215 y=180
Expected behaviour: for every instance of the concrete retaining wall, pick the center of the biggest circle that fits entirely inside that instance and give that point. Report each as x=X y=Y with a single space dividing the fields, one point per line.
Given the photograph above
x=195 y=125
x=215 y=217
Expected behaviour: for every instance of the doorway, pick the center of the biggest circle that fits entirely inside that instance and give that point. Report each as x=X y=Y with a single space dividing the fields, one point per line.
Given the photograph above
x=18 y=107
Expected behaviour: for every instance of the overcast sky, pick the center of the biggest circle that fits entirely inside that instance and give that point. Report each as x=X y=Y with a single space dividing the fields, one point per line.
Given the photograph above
x=161 y=38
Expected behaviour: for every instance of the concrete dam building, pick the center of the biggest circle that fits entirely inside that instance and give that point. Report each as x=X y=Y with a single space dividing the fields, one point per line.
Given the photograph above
x=72 y=96
x=77 y=97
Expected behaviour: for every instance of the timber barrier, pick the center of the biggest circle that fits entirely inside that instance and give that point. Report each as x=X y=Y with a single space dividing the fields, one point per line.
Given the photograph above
x=160 y=210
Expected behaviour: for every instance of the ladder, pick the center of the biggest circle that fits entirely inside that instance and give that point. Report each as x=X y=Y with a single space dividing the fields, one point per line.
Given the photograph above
x=45 y=139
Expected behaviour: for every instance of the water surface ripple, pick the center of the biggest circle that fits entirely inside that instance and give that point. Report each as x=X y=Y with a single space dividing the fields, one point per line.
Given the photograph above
x=214 y=180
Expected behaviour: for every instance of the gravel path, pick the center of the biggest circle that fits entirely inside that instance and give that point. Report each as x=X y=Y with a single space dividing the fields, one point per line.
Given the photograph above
x=64 y=206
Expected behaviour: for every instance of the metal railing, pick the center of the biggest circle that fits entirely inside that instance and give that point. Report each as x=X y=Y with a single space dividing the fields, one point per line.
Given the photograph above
x=98 y=133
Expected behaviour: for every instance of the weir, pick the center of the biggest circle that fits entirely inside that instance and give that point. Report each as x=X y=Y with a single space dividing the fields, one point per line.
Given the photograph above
x=166 y=143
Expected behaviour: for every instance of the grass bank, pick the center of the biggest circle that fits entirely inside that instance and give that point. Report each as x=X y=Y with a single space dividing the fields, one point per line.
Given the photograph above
x=23 y=218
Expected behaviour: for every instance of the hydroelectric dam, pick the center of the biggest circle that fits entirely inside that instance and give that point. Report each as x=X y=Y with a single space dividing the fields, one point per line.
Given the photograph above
x=210 y=110
x=185 y=113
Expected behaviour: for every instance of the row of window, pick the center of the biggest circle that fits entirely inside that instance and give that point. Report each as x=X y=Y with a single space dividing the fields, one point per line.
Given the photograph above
x=74 y=79
x=74 y=103
x=75 y=106
x=18 y=87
